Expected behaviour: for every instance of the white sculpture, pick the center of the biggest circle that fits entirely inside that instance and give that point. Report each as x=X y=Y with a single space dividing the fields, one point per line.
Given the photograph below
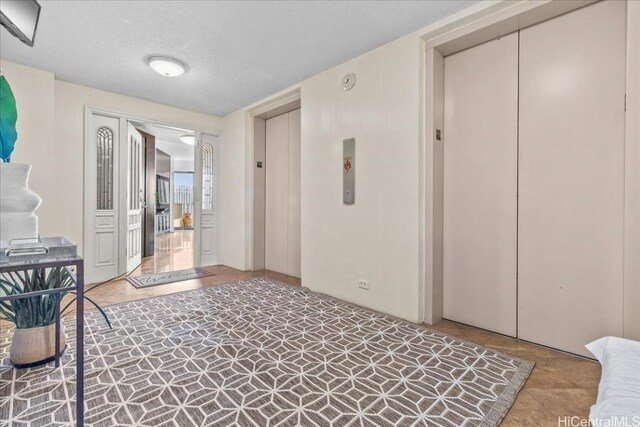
x=17 y=203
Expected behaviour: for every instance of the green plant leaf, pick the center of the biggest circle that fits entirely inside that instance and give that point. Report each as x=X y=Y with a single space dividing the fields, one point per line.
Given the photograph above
x=40 y=310
x=8 y=119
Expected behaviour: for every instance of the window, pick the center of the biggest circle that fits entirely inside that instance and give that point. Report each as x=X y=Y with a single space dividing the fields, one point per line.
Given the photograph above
x=104 y=160
x=183 y=190
x=207 y=177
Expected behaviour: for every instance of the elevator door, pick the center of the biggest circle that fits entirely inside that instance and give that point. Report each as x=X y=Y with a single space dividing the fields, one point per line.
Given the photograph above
x=282 y=194
x=480 y=185
x=572 y=89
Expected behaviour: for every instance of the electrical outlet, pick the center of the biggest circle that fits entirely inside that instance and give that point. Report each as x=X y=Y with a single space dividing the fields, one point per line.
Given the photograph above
x=363 y=284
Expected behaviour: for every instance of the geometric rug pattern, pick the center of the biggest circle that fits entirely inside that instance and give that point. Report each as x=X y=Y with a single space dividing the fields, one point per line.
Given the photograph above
x=261 y=353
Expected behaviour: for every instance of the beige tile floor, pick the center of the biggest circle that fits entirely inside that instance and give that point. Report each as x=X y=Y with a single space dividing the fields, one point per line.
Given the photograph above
x=561 y=385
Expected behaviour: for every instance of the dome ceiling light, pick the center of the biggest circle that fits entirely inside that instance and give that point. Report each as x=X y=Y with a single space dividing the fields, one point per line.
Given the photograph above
x=166 y=66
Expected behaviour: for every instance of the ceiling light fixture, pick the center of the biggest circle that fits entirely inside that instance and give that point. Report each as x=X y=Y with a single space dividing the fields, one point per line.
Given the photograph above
x=188 y=139
x=166 y=66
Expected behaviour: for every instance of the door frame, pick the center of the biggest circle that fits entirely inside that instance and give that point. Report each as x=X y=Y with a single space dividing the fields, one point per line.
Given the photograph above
x=121 y=183
x=471 y=31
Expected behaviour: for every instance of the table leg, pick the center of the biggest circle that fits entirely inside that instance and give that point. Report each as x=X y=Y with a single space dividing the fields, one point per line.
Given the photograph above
x=56 y=297
x=80 y=344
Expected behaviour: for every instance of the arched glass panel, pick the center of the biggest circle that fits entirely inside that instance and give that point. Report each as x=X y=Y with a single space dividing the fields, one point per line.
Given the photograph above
x=207 y=177
x=104 y=159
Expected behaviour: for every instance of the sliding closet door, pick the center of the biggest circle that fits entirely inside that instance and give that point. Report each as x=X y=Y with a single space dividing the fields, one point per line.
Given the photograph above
x=480 y=185
x=572 y=85
x=282 y=192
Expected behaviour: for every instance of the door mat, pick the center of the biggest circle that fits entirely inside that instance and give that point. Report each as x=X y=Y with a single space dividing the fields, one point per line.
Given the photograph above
x=154 y=279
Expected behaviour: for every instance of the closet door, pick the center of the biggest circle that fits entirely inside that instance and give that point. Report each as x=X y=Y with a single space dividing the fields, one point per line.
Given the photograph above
x=572 y=85
x=277 y=194
x=480 y=185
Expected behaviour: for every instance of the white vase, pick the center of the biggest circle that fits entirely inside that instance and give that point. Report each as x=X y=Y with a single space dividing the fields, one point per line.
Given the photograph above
x=17 y=203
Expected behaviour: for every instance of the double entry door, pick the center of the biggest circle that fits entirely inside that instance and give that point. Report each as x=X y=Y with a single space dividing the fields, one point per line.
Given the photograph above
x=114 y=199
x=533 y=180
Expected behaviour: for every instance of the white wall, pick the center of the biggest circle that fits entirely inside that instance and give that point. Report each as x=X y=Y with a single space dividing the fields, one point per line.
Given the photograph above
x=232 y=193
x=163 y=163
x=183 y=165
x=376 y=239
x=51 y=126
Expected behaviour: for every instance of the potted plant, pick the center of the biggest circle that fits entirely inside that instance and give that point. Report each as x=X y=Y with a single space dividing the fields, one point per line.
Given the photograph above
x=33 y=341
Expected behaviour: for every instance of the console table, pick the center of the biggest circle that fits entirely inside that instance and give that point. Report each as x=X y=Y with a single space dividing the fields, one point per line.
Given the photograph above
x=78 y=263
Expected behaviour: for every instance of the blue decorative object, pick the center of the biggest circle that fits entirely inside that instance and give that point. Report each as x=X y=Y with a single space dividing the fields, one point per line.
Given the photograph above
x=8 y=119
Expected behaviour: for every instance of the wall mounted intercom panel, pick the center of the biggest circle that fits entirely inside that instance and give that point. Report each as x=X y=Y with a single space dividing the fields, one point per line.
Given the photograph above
x=349 y=171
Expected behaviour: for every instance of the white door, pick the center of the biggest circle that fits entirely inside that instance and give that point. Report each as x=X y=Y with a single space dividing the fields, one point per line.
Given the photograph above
x=480 y=185
x=102 y=197
x=135 y=197
x=572 y=95
x=207 y=206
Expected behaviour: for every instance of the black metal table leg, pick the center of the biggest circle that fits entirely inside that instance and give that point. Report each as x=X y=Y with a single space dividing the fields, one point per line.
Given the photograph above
x=57 y=316
x=80 y=344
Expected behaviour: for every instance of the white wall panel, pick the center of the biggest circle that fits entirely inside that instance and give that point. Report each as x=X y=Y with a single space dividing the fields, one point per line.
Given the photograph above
x=233 y=194
x=376 y=238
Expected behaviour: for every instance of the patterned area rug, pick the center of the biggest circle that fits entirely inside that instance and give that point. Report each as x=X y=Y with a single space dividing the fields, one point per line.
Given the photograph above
x=153 y=279
x=261 y=353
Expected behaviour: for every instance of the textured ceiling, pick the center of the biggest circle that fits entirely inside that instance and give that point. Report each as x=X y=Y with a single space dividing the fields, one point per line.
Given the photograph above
x=168 y=140
x=237 y=52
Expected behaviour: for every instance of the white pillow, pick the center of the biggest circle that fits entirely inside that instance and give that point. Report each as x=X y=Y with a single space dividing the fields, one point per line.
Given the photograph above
x=619 y=391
